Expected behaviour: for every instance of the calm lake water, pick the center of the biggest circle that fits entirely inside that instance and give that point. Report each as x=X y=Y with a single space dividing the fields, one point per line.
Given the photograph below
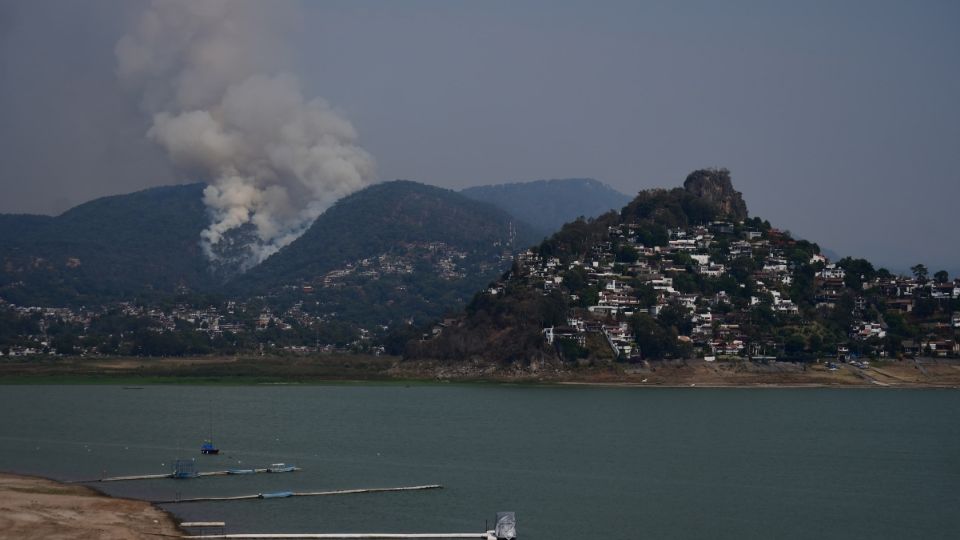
x=574 y=463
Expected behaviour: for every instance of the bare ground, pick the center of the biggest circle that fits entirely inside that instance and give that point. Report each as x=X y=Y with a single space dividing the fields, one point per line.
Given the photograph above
x=37 y=508
x=925 y=372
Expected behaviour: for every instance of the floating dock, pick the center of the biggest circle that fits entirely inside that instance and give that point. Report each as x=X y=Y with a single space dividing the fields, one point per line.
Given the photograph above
x=505 y=529
x=364 y=536
x=286 y=494
x=171 y=475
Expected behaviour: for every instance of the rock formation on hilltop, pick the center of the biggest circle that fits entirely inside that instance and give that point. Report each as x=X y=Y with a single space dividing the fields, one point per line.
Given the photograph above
x=714 y=185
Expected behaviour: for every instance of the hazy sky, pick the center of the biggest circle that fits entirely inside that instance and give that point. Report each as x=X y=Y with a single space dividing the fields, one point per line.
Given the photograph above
x=839 y=120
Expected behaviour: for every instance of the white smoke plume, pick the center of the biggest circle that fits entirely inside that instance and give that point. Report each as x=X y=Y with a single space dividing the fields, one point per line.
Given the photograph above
x=214 y=75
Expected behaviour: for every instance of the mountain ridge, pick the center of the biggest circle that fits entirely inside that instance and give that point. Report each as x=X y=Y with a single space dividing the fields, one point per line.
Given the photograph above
x=548 y=204
x=398 y=250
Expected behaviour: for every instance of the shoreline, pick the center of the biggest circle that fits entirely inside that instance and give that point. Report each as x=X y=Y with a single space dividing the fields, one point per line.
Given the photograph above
x=35 y=507
x=390 y=371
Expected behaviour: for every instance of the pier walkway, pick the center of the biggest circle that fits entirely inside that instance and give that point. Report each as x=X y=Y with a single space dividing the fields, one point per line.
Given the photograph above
x=363 y=536
x=170 y=475
x=285 y=494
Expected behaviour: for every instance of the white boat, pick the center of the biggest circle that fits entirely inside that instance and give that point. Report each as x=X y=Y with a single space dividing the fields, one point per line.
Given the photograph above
x=280 y=467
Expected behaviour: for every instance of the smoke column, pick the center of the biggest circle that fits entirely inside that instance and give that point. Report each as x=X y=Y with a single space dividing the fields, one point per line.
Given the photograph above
x=214 y=76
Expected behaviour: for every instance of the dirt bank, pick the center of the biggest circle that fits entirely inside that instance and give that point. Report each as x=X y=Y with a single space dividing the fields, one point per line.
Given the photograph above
x=37 y=508
x=921 y=372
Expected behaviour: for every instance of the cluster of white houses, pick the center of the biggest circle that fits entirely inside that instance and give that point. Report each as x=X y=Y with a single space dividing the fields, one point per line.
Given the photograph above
x=446 y=261
x=714 y=326
x=231 y=317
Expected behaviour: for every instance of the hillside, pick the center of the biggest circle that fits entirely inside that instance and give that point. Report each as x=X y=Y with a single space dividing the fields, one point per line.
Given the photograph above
x=675 y=274
x=114 y=247
x=548 y=204
x=685 y=273
x=396 y=251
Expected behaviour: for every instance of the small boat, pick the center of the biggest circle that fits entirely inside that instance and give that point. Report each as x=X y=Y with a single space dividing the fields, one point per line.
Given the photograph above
x=208 y=447
x=241 y=471
x=277 y=495
x=280 y=467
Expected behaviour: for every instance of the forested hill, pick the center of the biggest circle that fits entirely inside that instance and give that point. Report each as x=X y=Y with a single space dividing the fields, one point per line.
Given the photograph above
x=398 y=250
x=686 y=273
x=115 y=247
x=548 y=204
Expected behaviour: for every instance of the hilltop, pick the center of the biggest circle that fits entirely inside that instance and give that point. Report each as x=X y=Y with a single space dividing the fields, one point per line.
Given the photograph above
x=686 y=273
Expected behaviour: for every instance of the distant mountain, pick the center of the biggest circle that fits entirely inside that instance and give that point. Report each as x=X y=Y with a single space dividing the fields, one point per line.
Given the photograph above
x=114 y=247
x=395 y=251
x=548 y=204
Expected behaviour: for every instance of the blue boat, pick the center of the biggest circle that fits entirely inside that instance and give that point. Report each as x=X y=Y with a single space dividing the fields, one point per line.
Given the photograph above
x=277 y=495
x=208 y=447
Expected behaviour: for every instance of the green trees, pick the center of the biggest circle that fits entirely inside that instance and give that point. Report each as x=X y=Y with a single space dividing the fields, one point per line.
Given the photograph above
x=920 y=273
x=856 y=272
x=575 y=279
x=575 y=239
x=626 y=254
x=673 y=208
x=794 y=345
x=654 y=340
x=676 y=317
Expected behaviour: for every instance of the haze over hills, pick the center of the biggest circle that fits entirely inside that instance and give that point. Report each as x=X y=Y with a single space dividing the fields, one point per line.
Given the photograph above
x=548 y=204
x=147 y=243
x=117 y=247
x=395 y=251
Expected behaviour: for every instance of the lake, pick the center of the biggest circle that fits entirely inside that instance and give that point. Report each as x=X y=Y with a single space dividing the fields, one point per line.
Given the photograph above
x=573 y=463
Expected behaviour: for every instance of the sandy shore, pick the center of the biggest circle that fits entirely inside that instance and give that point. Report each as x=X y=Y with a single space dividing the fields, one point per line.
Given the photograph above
x=37 y=508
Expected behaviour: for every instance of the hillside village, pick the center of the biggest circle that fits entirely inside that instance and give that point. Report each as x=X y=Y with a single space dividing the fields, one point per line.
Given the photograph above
x=681 y=273
x=129 y=329
x=625 y=278
x=621 y=280
x=302 y=317
x=686 y=273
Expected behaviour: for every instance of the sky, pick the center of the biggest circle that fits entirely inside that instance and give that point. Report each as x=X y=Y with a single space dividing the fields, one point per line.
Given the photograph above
x=839 y=121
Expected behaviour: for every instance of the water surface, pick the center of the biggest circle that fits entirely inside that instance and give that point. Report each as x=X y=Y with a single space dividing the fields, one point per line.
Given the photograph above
x=605 y=463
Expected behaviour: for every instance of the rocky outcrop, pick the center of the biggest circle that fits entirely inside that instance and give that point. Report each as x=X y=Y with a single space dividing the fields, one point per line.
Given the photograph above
x=715 y=186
